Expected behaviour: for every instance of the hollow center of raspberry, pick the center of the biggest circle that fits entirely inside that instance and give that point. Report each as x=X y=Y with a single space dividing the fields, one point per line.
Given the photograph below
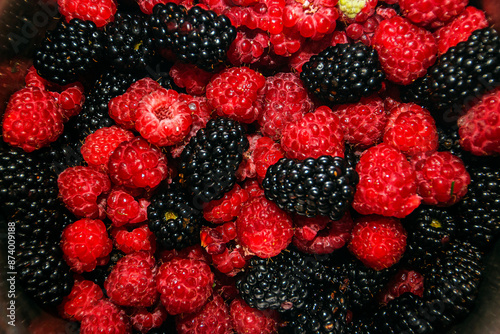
x=163 y=112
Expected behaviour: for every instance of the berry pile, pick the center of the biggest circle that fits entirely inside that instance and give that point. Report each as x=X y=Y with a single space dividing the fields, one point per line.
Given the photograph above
x=256 y=166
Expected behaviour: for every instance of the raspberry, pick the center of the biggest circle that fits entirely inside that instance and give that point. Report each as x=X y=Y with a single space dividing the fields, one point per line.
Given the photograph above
x=100 y=12
x=307 y=228
x=122 y=208
x=266 y=15
x=313 y=19
x=387 y=183
x=32 y=119
x=431 y=14
x=122 y=108
x=105 y=317
x=232 y=261
x=228 y=207
x=248 y=47
x=379 y=242
x=315 y=134
x=71 y=100
x=84 y=295
x=132 y=281
x=411 y=129
x=460 y=28
x=363 y=122
x=441 y=177
x=190 y=77
x=138 y=239
x=184 y=285
x=405 y=50
x=253 y=187
x=475 y=136
x=263 y=228
x=83 y=190
x=85 y=244
x=99 y=145
x=249 y=320
x=213 y=318
x=145 y=320
x=214 y=239
x=287 y=42
x=263 y=153
x=237 y=92
x=404 y=281
x=137 y=164
x=286 y=100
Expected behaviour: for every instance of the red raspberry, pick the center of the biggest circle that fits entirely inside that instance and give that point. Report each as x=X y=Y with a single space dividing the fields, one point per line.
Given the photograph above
x=214 y=239
x=137 y=164
x=405 y=50
x=411 y=129
x=363 y=122
x=249 y=320
x=213 y=318
x=253 y=187
x=105 y=317
x=441 y=177
x=379 y=242
x=232 y=261
x=99 y=145
x=263 y=152
x=315 y=134
x=71 y=100
x=404 y=281
x=132 y=281
x=123 y=208
x=431 y=14
x=263 y=228
x=122 y=108
x=190 y=77
x=358 y=11
x=83 y=296
x=287 y=42
x=101 y=12
x=144 y=320
x=334 y=236
x=227 y=208
x=286 y=100
x=138 y=239
x=32 y=119
x=475 y=136
x=237 y=92
x=265 y=15
x=363 y=31
x=387 y=183
x=83 y=190
x=163 y=118
x=307 y=228
x=248 y=47
x=460 y=28
x=313 y=19
x=85 y=244
x=184 y=285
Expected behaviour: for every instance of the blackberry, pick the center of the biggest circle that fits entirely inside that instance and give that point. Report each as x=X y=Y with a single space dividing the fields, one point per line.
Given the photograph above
x=194 y=35
x=69 y=52
x=209 y=161
x=42 y=272
x=174 y=219
x=343 y=73
x=459 y=76
x=127 y=42
x=310 y=187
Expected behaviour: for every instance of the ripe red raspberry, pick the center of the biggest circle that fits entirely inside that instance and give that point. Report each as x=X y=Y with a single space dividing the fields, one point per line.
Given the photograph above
x=214 y=239
x=411 y=129
x=431 y=14
x=263 y=228
x=404 y=281
x=70 y=100
x=144 y=320
x=138 y=239
x=122 y=208
x=405 y=50
x=83 y=296
x=232 y=261
x=101 y=12
x=315 y=134
x=460 y=28
x=237 y=92
x=387 y=183
x=163 y=118
x=253 y=187
x=248 y=47
x=99 y=145
x=137 y=164
x=286 y=100
x=379 y=242
x=132 y=281
x=213 y=318
x=357 y=11
x=363 y=122
x=105 y=317
x=265 y=15
x=441 y=177
x=249 y=320
x=190 y=77
x=83 y=190
x=227 y=208
x=122 y=108
x=475 y=136
x=287 y=42
x=85 y=244
x=32 y=119
x=313 y=19
x=184 y=285
x=324 y=241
